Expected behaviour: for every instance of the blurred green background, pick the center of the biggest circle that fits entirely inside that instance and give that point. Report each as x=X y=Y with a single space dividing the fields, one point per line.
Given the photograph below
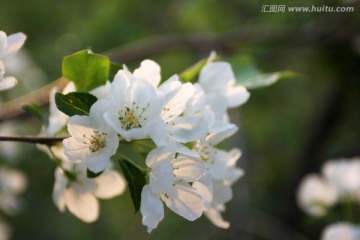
x=286 y=130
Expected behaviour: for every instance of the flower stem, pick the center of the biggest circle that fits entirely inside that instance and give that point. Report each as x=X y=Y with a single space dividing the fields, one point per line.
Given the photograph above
x=32 y=139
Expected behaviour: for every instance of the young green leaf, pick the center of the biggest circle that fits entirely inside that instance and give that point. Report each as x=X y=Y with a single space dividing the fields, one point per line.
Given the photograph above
x=189 y=74
x=75 y=103
x=86 y=69
x=38 y=111
x=114 y=68
x=136 y=178
x=265 y=80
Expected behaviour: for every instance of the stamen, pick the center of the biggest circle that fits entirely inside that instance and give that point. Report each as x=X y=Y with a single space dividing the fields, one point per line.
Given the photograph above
x=130 y=118
x=96 y=141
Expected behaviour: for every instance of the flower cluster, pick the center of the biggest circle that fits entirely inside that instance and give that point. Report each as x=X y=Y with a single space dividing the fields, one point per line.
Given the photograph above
x=339 y=183
x=186 y=121
x=9 y=45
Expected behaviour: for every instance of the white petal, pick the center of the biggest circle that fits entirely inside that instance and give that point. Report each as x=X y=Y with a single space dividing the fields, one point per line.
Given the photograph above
x=176 y=104
x=98 y=161
x=120 y=84
x=161 y=176
x=102 y=91
x=216 y=76
x=7 y=83
x=179 y=148
x=205 y=189
x=218 y=103
x=236 y=96
x=188 y=169
x=59 y=189
x=170 y=85
x=160 y=154
x=82 y=204
x=78 y=126
x=3 y=41
x=151 y=208
x=187 y=129
x=227 y=131
x=109 y=184
x=14 y=43
x=157 y=132
x=341 y=231
x=222 y=192
x=344 y=174
x=75 y=150
x=184 y=201
x=315 y=194
x=222 y=164
x=70 y=87
x=215 y=217
x=2 y=70
x=149 y=71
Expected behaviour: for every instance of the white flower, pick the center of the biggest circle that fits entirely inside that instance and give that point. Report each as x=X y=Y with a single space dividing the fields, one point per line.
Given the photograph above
x=101 y=91
x=220 y=164
x=221 y=173
x=92 y=140
x=173 y=169
x=5 y=231
x=79 y=194
x=315 y=195
x=9 y=45
x=12 y=183
x=132 y=107
x=344 y=174
x=218 y=78
x=341 y=231
x=222 y=193
x=180 y=127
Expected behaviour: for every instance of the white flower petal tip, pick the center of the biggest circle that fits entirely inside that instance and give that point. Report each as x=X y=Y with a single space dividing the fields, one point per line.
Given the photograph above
x=315 y=195
x=341 y=231
x=80 y=196
x=215 y=217
x=151 y=208
x=7 y=83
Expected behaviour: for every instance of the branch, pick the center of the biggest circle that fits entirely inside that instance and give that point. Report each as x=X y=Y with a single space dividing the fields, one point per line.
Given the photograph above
x=32 y=139
x=39 y=96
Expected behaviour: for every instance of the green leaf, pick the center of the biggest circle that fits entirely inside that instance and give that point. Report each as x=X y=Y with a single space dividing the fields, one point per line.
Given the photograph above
x=244 y=67
x=265 y=80
x=136 y=151
x=75 y=103
x=136 y=178
x=38 y=111
x=91 y=174
x=190 y=74
x=114 y=68
x=87 y=70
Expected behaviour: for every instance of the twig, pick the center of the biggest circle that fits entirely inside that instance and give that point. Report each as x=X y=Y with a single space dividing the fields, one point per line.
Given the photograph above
x=39 y=96
x=32 y=139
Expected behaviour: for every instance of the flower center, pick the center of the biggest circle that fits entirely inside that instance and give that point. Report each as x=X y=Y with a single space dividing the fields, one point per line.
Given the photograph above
x=131 y=117
x=96 y=141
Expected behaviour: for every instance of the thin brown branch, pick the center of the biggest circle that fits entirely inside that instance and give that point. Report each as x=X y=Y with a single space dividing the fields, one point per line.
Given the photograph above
x=32 y=139
x=39 y=96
